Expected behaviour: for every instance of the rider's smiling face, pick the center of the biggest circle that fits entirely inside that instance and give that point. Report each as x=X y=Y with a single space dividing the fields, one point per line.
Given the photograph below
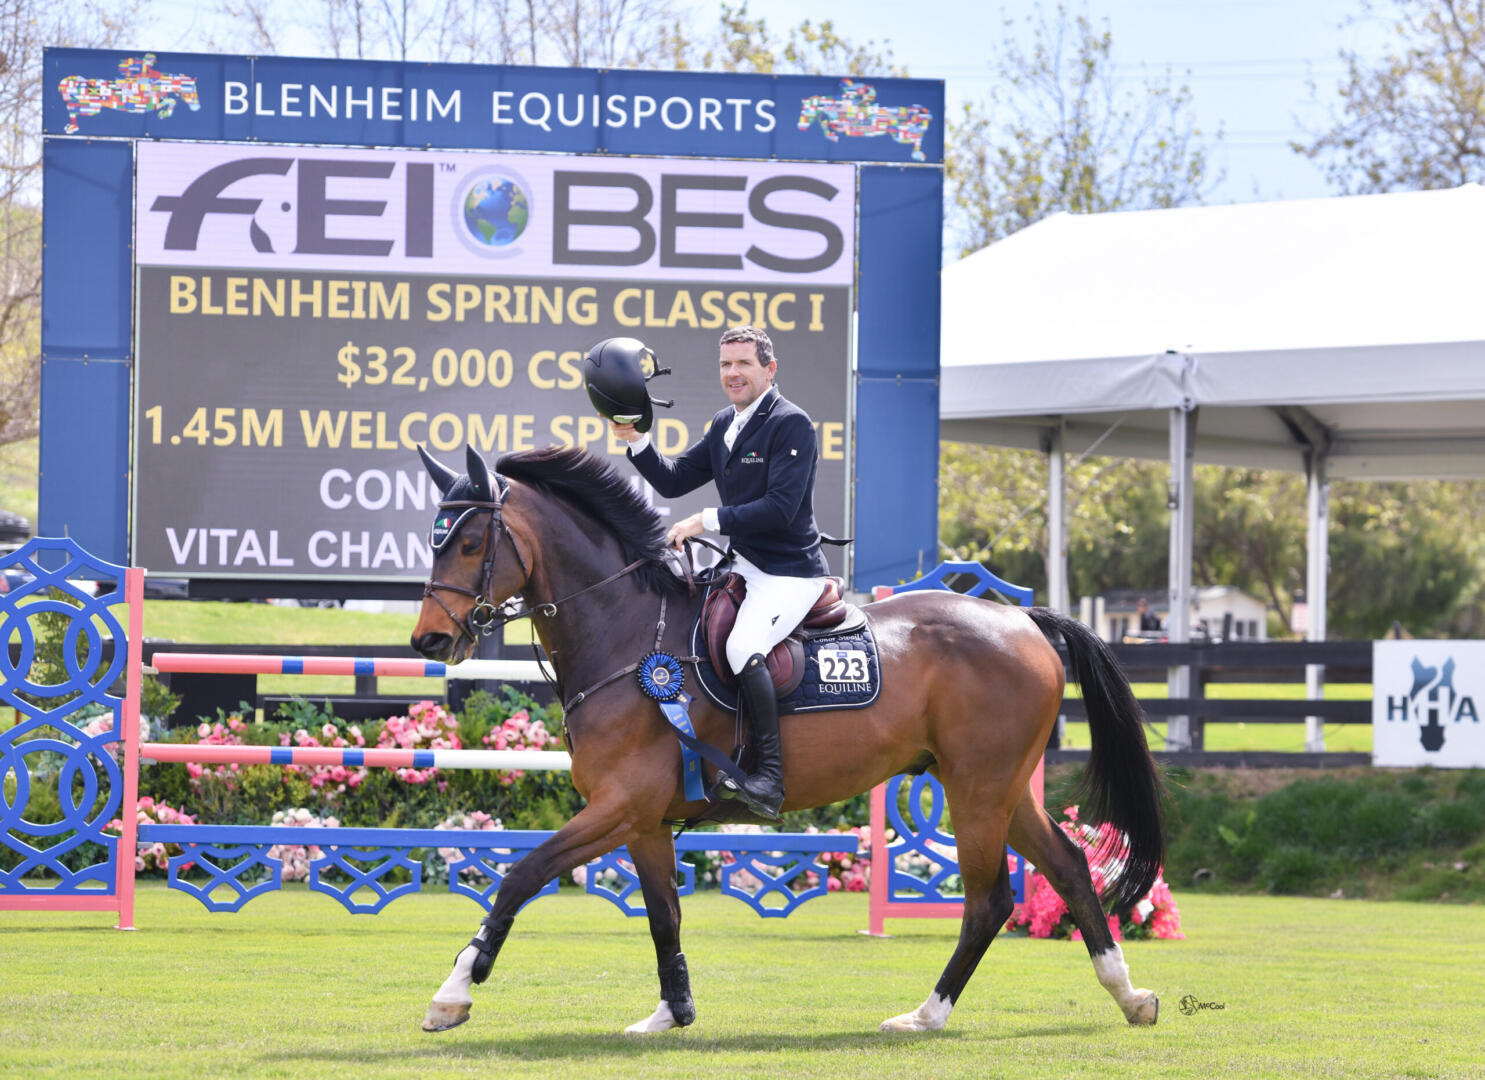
x=744 y=379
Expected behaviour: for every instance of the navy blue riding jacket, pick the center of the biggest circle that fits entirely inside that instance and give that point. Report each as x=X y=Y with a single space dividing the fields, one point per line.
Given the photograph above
x=766 y=484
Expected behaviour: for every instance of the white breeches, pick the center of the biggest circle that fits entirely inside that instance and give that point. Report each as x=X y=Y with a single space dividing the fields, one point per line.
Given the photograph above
x=773 y=606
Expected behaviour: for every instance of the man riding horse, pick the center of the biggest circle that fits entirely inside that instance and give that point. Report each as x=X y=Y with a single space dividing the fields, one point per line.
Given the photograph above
x=761 y=454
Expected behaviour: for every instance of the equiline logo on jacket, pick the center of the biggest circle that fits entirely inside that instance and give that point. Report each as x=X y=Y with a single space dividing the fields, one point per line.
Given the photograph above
x=752 y=457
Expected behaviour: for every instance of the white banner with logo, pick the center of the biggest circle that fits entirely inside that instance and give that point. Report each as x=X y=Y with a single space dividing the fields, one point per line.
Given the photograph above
x=1426 y=701
x=521 y=215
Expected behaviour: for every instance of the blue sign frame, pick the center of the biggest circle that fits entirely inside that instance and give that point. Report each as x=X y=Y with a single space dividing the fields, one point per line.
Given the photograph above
x=98 y=102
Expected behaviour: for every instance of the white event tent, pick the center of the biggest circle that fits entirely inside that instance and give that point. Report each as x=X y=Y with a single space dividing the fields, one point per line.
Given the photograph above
x=1342 y=337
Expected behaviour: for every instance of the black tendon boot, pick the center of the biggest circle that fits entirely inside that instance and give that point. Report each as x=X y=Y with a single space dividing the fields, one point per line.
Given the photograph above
x=763 y=791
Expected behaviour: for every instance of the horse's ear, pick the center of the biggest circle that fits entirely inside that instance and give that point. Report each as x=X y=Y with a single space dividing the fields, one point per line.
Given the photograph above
x=479 y=475
x=443 y=476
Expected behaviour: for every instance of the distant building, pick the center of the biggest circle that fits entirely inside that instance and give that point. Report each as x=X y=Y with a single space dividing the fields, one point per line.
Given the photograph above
x=1218 y=613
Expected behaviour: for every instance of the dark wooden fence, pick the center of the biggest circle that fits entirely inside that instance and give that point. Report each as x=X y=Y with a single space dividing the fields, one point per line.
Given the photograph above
x=1243 y=662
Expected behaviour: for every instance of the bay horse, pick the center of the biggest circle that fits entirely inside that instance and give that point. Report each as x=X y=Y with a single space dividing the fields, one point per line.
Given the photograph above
x=969 y=691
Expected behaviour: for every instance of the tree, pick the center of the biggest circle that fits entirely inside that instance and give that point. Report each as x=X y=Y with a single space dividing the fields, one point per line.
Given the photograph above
x=1058 y=135
x=1416 y=118
x=26 y=27
x=580 y=33
x=1249 y=531
x=742 y=43
x=575 y=33
x=1411 y=553
x=993 y=509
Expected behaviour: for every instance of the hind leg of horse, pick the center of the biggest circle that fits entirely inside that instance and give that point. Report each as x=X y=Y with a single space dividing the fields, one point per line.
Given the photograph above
x=988 y=901
x=654 y=862
x=1035 y=835
x=598 y=828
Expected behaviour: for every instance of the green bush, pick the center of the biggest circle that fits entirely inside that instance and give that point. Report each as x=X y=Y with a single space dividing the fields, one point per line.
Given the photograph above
x=1290 y=869
x=1374 y=832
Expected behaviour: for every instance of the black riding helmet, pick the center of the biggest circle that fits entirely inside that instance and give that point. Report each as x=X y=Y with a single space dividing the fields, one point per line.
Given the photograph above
x=615 y=372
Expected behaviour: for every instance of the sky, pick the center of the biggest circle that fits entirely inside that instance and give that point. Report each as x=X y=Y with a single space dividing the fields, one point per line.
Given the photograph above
x=1248 y=63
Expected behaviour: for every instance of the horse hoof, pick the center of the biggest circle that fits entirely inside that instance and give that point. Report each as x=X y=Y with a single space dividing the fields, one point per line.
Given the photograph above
x=444 y=1015
x=908 y=1022
x=662 y=1019
x=1147 y=1011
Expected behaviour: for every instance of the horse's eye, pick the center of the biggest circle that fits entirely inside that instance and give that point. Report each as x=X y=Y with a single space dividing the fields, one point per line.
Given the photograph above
x=470 y=546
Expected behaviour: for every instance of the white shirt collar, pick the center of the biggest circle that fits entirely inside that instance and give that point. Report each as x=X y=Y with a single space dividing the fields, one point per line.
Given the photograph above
x=740 y=419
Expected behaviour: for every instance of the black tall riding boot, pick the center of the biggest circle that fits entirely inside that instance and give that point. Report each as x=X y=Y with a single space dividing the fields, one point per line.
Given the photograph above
x=763 y=791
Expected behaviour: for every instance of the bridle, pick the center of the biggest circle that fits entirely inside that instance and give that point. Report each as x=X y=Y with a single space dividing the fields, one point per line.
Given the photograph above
x=485 y=618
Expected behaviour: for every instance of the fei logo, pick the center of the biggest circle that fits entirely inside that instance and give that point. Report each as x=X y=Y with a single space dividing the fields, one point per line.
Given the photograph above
x=298 y=204
x=1424 y=709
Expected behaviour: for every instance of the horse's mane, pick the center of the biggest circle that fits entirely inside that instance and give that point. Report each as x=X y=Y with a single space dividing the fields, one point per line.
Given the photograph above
x=596 y=490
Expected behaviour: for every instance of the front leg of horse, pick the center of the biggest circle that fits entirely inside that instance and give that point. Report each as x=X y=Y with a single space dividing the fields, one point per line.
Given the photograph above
x=592 y=833
x=654 y=862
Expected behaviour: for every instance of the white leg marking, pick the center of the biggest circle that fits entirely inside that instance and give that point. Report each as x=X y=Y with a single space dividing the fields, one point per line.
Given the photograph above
x=659 y=1020
x=932 y=1015
x=1139 y=1006
x=455 y=989
x=450 y=1006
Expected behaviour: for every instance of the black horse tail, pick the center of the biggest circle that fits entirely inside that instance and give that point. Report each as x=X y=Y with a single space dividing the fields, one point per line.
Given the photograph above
x=1122 y=784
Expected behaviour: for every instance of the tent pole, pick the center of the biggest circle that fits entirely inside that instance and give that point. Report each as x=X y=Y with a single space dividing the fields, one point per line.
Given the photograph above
x=1182 y=525
x=1317 y=567
x=1057 y=598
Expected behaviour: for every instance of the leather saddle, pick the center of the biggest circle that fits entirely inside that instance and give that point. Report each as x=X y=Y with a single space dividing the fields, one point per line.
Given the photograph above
x=830 y=615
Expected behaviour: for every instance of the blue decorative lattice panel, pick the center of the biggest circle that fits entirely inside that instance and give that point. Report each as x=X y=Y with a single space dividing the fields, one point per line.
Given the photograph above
x=227 y=868
x=491 y=864
x=622 y=889
x=61 y=747
x=363 y=870
x=232 y=855
x=776 y=873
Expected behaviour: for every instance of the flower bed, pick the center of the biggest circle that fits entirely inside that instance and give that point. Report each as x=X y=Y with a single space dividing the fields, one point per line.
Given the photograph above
x=1044 y=914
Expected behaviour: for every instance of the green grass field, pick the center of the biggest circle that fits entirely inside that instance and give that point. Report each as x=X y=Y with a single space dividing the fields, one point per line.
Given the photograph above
x=295 y=987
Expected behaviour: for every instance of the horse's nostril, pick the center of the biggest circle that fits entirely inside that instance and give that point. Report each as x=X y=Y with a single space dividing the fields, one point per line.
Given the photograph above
x=432 y=645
